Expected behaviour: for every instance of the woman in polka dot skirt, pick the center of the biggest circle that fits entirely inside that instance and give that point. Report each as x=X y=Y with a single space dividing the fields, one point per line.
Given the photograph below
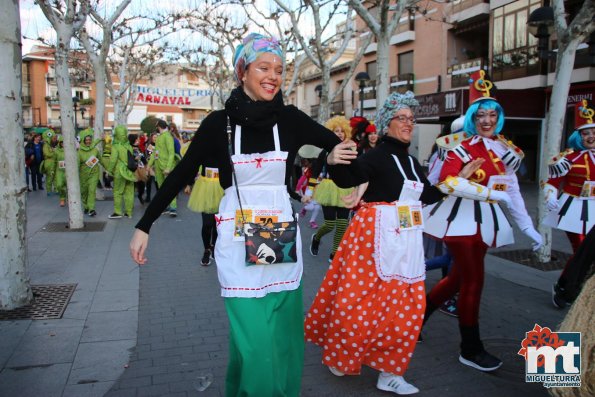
x=369 y=308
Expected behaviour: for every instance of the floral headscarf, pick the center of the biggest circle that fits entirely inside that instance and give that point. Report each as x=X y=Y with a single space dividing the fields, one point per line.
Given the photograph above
x=251 y=48
x=393 y=103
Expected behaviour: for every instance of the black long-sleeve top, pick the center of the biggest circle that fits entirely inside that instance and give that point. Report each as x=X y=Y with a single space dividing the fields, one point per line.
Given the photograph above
x=210 y=142
x=378 y=167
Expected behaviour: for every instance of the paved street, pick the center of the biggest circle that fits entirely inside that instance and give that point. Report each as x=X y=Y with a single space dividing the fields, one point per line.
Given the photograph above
x=153 y=331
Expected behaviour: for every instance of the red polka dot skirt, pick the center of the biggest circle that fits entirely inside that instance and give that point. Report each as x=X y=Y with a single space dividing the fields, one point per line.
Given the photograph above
x=359 y=319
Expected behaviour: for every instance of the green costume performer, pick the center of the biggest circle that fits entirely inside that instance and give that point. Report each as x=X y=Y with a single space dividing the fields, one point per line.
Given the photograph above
x=89 y=159
x=163 y=158
x=123 y=178
x=48 y=166
x=60 y=171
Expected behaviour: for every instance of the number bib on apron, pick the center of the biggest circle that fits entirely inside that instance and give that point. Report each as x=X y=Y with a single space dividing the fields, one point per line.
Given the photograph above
x=398 y=234
x=261 y=182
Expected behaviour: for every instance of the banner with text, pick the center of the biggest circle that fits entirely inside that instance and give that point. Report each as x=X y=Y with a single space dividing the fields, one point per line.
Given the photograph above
x=168 y=96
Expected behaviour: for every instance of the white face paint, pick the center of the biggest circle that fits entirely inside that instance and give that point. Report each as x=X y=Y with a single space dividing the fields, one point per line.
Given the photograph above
x=588 y=137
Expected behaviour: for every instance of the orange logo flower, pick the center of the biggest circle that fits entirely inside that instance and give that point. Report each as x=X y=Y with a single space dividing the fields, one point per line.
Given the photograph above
x=537 y=338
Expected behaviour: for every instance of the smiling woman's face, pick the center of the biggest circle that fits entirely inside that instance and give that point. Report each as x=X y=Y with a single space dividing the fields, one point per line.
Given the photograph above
x=262 y=79
x=486 y=121
x=588 y=138
x=401 y=125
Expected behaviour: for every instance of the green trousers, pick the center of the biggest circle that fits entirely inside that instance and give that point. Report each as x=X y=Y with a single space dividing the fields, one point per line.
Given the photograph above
x=266 y=345
x=89 y=189
x=60 y=183
x=123 y=190
x=160 y=177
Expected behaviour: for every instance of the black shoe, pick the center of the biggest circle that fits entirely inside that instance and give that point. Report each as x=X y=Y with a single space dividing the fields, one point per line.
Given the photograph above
x=92 y=213
x=557 y=299
x=28 y=189
x=140 y=198
x=330 y=258
x=449 y=307
x=115 y=216
x=420 y=338
x=173 y=213
x=482 y=361
x=128 y=215
x=206 y=258
x=314 y=245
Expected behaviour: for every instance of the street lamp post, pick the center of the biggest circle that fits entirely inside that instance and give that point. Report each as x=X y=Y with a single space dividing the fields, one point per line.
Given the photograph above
x=82 y=110
x=362 y=78
x=75 y=102
x=541 y=25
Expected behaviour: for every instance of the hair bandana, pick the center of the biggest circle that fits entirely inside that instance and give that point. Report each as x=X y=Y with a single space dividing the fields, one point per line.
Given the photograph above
x=251 y=48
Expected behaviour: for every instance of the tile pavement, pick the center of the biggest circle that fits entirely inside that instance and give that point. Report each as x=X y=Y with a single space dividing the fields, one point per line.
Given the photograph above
x=152 y=331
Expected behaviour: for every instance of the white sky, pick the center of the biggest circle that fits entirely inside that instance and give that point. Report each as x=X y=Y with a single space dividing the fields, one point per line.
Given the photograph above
x=34 y=23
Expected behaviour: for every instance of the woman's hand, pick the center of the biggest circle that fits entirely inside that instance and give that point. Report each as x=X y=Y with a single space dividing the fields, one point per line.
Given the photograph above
x=353 y=198
x=470 y=168
x=342 y=153
x=306 y=199
x=138 y=245
x=187 y=190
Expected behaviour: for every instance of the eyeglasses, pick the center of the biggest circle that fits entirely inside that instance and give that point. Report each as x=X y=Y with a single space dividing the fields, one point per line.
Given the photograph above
x=405 y=119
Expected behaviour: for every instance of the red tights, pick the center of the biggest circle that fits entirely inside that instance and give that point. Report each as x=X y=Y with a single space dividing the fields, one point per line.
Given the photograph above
x=465 y=276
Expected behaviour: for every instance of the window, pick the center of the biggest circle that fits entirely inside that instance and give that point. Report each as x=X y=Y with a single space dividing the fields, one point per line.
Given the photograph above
x=403 y=81
x=514 y=48
x=405 y=63
x=372 y=69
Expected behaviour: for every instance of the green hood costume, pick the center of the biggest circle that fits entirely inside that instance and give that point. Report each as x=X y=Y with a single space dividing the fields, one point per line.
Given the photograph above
x=89 y=158
x=123 y=178
x=48 y=165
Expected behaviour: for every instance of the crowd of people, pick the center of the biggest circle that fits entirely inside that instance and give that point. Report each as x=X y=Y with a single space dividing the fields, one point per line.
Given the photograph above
x=392 y=219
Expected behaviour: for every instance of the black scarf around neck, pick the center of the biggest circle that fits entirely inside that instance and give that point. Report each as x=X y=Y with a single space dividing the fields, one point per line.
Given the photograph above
x=246 y=112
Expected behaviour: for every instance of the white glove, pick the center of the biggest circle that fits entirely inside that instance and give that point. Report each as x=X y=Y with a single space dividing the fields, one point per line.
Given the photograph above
x=552 y=203
x=501 y=196
x=535 y=236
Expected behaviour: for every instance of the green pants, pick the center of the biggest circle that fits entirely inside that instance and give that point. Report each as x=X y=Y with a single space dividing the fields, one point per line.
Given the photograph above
x=60 y=182
x=160 y=177
x=266 y=345
x=123 y=189
x=89 y=189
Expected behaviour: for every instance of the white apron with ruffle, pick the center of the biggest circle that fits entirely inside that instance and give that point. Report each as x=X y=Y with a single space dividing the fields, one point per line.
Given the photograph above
x=398 y=252
x=261 y=181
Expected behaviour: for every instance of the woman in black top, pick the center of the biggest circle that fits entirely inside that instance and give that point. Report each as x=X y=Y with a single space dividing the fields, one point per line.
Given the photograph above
x=266 y=334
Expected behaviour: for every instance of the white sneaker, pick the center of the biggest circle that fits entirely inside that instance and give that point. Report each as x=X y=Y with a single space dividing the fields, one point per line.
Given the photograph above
x=396 y=384
x=335 y=371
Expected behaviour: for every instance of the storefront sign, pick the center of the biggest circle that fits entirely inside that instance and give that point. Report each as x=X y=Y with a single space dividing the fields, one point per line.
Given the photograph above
x=441 y=104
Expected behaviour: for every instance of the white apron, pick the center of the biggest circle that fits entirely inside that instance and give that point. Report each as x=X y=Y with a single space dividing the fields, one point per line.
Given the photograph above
x=398 y=252
x=261 y=181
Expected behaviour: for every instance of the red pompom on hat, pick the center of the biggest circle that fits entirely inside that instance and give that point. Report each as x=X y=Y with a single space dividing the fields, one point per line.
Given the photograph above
x=371 y=129
x=355 y=120
x=583 y=115
x=480 y=87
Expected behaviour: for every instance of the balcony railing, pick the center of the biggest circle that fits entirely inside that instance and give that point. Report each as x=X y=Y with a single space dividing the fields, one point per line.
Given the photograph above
x=314 y=110
x=370 y=90
x=402 y=82
x=517 y=63
x=337 y=108
x=460 y=72
x=26 y=99
x=461 y=5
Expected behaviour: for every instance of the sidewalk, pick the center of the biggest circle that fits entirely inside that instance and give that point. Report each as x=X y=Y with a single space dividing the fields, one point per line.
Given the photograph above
x=152 y=331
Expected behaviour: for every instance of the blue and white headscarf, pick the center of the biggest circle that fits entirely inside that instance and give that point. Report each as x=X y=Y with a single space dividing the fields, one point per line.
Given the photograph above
x=251 y=48
x=393 y=103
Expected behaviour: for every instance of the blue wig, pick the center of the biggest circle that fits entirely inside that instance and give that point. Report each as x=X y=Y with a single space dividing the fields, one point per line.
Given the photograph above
x=488 y=104
x=575 y=141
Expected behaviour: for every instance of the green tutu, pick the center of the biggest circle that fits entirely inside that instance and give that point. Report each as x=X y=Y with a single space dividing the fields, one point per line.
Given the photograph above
x=329 y=194
x=206 y=195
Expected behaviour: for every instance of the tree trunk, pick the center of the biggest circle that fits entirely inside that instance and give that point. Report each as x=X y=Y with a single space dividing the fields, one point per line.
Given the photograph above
x=580 y=318
x=75 y=211
x=14 y=284
x=382 y=62
x=553 y=135
x=99 y=99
